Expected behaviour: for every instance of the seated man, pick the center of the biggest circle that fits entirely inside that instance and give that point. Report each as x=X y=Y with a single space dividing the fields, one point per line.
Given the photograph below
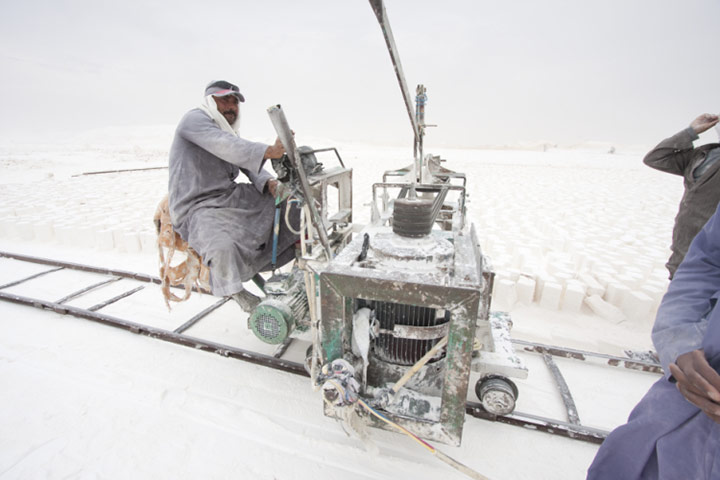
x=229 y=224
x=674 y=432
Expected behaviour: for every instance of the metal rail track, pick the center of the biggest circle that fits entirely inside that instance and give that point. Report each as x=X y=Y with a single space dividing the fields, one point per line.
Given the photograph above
x=571 y=428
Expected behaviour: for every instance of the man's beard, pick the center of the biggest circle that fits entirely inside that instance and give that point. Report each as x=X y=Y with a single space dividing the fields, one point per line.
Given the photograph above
x=230 y=116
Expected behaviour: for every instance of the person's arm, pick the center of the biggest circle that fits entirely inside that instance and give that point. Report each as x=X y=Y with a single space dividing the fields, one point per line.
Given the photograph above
x=260 y=180
x=681 y=320
x=673 y=155
x=201 y=130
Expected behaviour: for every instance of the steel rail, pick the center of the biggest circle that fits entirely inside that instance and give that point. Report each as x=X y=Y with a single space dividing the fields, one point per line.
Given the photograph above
x=162 y=334
x=611 y=360
x=551 y=426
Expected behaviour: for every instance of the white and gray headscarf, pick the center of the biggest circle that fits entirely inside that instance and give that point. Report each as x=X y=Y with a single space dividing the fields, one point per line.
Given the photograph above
x=220 y=88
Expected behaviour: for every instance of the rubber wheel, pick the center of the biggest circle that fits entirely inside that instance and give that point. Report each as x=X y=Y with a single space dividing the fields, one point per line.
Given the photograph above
x=497 y=394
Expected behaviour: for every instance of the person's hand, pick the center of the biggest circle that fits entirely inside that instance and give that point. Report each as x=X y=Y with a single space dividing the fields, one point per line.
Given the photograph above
x=698 y=382
x=272 y=185
x=704 y=122
x=275 y=151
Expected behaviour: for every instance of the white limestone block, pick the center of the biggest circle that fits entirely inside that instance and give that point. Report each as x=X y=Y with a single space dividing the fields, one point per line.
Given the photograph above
x=604 y=309
x=63 y=233
x=104 y=239
x=44 y=231
x=525 y=288
x=86 y=236
x=615 y=293
x=573 y=297
x=637 y=305
x=551 y=295
x=118 y=232
x=148 y=242
x=24 y=230
x=504 y=295
x=132 y=242
x=591 y=284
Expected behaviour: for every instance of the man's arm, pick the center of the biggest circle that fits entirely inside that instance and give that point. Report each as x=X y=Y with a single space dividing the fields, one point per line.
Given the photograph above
x=201 y=130
x=683 y=317
x=681 y=320
x=673 y=155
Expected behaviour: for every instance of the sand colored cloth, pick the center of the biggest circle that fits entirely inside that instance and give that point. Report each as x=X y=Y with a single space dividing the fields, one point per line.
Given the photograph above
x=228 y=224
x=676 y=155
x=666 y=436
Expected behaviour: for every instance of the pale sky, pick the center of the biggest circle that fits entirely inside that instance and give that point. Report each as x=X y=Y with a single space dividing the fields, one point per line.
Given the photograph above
x=562 y=71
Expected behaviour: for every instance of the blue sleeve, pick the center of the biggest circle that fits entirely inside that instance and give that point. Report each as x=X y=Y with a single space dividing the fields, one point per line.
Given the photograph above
x=681 y=321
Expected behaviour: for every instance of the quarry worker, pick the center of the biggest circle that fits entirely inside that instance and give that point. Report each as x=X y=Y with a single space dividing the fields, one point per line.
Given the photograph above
x=700 y=169
x=228 y=223
x=674 y=432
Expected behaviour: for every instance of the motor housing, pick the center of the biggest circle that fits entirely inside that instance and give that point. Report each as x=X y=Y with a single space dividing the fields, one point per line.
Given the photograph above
x=284 y=308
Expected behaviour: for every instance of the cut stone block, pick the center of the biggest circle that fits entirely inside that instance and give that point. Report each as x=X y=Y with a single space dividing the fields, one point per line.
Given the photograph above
x=132 y=242
x=637 y=305
x=604 y=309
x=104 y=239
x=573 y=297
x=615 y=293
x=504 y=295
x=591 y=284
x=525 y=288
x=551 y=295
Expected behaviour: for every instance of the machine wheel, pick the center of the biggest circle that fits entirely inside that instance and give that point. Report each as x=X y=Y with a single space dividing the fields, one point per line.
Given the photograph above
x=412 y=217
x=497 y=394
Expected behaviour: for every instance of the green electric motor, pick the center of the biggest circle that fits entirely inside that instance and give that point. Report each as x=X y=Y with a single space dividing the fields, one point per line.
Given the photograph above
x=272 y=321
x=284 y=308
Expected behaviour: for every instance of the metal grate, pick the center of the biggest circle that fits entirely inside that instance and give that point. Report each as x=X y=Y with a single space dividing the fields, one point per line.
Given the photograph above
x=267 y=326
x=399 y=350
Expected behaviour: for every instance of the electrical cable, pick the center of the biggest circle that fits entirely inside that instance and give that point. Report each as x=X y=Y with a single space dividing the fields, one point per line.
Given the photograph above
x=287 y=216
x=445 y=458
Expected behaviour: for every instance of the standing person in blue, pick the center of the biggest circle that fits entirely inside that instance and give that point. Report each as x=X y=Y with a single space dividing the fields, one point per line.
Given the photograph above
x=674 y=432
x=700 y=170
x=227 y=222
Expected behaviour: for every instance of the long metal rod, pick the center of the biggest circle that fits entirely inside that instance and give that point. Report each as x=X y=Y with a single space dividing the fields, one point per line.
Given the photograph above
x=543 y=424
x=103 y=172
x=551 y=426
x=612 y=360
x=141 y=277
x=547 y=425
x=104 y=304
x=282 y=128
x=379 y=9
x=201 y=315
x=84 y=268
x=166 y=335
x=87 y=289
x=282 y=348
x=23 y=280
x=568 y=401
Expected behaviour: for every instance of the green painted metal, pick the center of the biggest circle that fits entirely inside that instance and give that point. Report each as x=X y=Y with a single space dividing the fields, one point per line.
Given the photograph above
x=271 y=324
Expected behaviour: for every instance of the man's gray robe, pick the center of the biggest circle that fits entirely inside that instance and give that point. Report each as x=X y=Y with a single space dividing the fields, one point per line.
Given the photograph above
x=228 y=224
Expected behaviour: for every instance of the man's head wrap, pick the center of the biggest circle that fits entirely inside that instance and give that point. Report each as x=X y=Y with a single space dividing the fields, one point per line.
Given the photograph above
x=220 y=88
